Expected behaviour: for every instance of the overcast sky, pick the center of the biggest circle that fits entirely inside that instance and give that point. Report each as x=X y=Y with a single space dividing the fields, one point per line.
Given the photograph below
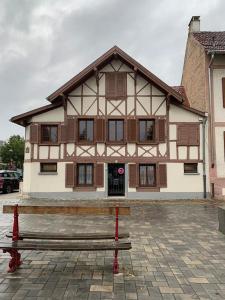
x=43 y=43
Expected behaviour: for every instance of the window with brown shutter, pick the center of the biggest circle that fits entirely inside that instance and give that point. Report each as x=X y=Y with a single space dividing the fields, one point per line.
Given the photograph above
x=34 y=133
x=99 y=175
x=70 y=175
x=162 y=175
x=100 y=130
x=49 y=134
x=115 y=85
x=85 y=174
x=188 y=135
x=147 y=175
x=116 y=131
x=86 y=130
x=146 y=130
x=131 y=130
x=132 y=175
x=223 y=91
x=161 y=130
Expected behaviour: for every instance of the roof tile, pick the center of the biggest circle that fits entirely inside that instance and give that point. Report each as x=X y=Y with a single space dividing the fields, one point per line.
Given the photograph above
x=211 y=40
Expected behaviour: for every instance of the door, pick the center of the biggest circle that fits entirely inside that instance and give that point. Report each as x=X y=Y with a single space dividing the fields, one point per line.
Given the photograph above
x=116 y=179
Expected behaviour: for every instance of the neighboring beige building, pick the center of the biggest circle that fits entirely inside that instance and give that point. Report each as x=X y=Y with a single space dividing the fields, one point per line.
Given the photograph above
x=114 y=130
x=204 y=82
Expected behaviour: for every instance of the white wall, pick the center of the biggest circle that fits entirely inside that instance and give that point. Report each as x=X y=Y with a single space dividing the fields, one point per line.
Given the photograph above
x=54 y=115
x=177 y=181
x=219 y=110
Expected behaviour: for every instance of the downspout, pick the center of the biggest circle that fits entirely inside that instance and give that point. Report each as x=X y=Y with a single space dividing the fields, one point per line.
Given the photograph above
x=211 y=112
x=211 y=116
x=203 y=156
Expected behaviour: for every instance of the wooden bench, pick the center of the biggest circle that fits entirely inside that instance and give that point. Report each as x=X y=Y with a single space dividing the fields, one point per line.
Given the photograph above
x=44 y=241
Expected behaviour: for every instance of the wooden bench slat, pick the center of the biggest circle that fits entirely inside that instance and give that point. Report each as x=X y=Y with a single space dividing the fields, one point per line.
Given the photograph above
x=94 y=246
x=71 y=210
x=70 y=236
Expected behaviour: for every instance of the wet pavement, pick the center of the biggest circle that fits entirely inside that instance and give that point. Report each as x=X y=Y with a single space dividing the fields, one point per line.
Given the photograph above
x=177 y=253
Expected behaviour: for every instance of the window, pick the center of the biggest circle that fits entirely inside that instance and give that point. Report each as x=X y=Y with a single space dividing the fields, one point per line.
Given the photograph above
x=115 y=130
x=86 y=130
x=116 y=85
x=85 y=174
x=147 y=175
x=48 y=167
x=49 y=133
x=190 y=168
x=146 y=130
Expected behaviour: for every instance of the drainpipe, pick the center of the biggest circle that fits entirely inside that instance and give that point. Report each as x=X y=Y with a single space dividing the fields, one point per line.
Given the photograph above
x=203 y=156
x=211 y=112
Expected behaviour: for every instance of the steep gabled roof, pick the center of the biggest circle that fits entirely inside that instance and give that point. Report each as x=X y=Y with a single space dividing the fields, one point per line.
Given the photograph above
x=211 y=40
x=177 y=92
x=102 y=61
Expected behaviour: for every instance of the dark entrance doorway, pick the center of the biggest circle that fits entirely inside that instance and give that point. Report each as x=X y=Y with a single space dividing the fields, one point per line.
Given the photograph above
x=116 y=179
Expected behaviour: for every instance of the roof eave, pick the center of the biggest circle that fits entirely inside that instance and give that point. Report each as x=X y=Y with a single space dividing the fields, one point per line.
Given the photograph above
x=215 y=51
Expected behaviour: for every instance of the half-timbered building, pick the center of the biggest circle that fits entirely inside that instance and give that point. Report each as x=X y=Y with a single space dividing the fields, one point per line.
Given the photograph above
x=114 y=130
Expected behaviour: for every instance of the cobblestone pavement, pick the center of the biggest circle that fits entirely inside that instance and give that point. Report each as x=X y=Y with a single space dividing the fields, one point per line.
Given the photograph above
x=177 y=254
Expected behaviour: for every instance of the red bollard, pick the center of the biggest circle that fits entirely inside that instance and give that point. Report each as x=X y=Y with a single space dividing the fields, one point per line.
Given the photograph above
x=115 y=263
x=15 y=235
x=15 y=255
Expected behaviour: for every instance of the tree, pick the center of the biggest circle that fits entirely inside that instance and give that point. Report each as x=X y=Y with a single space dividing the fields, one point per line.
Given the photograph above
x=12 y=152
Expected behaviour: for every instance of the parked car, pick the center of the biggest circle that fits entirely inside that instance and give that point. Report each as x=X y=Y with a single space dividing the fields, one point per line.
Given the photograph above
x=9 y=181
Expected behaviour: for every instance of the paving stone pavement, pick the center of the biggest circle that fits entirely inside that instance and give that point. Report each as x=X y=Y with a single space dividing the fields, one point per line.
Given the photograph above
x=177 y=253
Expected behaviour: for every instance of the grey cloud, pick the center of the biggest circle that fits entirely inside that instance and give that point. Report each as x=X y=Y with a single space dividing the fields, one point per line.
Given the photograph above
x=46 y=42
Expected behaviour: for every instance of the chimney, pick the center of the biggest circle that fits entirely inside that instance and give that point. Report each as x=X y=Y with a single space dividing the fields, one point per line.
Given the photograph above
x=194 y=25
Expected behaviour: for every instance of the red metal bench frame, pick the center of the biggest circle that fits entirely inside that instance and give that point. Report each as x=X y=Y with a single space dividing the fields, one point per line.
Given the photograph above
x=15 y=260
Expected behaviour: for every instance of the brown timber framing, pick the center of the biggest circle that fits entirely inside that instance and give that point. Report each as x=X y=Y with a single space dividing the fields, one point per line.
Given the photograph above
x=101 y=62
x=120 y=107
x=117 y=159
x=167 y=125
x=116 y=154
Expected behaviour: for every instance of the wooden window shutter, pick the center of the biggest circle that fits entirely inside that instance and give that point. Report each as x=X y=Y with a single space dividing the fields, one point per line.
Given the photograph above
x=133 y=175
x=34 y=133
x=223 y=91
x=75 y=175
x=193 y=135
x=71 y=130
x=63 y=133
x=161 y=130
x=110 y=85
x=121 y=85
x=132 y=130
x=162 y=175
x=100 y=130
x=182 y=135
x=224 y=142
x=70 y=175
x=99 y=175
